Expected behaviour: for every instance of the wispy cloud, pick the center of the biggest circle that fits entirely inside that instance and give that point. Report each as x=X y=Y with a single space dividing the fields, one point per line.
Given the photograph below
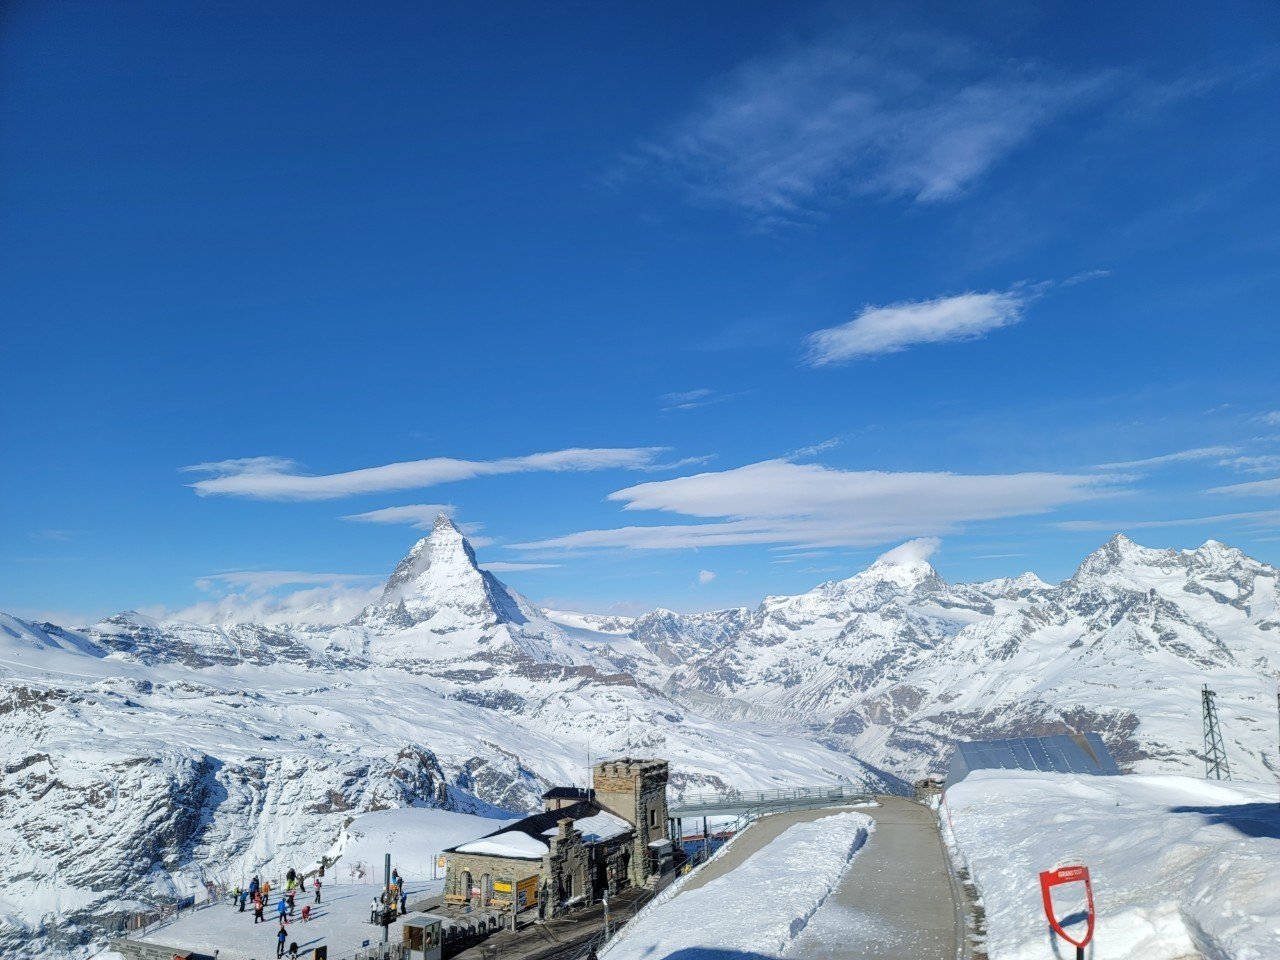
x=813 y=449
x=895 y=327
x=913 y=117
x=419 y=516
x=690 y=399
x=1271 y=418
x=809 y=505
x=57 y=536
x=705 y=577
x=264 y=580
x=1260 y=463
x=278 y=478
x=1180 y=456
x=503 y=566
x=1262 y=517
x=1256 y=488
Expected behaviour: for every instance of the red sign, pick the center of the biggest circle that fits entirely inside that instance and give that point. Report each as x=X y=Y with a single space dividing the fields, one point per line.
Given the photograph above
x=1052 y=878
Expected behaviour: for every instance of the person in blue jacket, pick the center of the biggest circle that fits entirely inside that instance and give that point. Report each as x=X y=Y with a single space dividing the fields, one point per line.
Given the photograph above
x=281 y=909
x=281 y=937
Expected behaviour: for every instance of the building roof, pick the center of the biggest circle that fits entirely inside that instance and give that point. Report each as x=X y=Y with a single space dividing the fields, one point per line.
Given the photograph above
x=597 y=828
x=527 y=839
x=567 y=793
x=1064 y=753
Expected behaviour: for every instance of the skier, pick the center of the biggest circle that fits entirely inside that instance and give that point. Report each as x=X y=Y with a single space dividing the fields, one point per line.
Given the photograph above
x=404 y=899
x=281 y=937
x=266 y=891
x=289 y=899
x=317 y=889
x=281 y=910
x=244 y=898
x=257 y=909
x=254 y=886
x=373 y=910
x=306 y=913
x=293 y=951
x=292 y=874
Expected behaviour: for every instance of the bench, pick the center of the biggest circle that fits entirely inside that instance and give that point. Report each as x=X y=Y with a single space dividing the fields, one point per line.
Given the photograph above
x=456 y=898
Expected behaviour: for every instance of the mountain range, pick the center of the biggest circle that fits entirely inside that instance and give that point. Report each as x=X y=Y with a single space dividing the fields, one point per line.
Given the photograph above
x=144 y=757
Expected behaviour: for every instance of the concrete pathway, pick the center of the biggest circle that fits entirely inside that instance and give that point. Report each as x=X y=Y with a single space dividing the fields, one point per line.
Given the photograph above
x=894 y=902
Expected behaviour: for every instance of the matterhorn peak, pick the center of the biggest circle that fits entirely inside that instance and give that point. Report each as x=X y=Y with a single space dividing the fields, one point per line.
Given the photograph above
x=440 y=564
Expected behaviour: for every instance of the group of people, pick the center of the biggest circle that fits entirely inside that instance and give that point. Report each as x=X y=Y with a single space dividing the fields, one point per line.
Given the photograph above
x=259 y=893
x=395 y=898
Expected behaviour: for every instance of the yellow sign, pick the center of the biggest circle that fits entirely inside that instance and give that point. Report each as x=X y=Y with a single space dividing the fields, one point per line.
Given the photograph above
x=527 y=893
x=442 y=862
x=502 y=886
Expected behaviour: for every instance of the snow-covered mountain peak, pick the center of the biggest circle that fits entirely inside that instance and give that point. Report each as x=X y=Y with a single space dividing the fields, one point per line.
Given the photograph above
x=1026 y=586
x=1120 y=554
x=439 y=563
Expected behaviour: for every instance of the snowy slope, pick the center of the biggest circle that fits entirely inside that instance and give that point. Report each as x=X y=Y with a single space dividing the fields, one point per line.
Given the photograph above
x=144 y=758
x=1180 y=867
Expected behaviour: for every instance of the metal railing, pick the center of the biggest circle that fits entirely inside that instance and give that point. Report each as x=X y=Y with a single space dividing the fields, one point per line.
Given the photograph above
x=783 y=798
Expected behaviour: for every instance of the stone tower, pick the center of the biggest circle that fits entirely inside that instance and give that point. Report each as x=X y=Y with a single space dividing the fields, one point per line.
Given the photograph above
x=636 y=790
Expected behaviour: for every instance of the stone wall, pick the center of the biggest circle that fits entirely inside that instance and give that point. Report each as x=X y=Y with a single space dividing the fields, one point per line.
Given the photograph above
x=635 y=790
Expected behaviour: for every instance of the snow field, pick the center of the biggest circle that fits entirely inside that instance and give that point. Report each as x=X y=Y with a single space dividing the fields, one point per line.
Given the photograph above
x=1180 y=867
x=758 y=908
x=341 y=922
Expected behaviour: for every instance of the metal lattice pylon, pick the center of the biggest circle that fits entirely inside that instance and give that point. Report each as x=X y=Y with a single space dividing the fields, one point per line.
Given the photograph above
x=1215 y=751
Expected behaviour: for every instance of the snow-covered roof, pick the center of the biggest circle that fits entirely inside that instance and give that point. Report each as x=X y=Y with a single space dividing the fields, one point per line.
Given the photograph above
x=598 y=828
x=508 y=843
x=523 y=839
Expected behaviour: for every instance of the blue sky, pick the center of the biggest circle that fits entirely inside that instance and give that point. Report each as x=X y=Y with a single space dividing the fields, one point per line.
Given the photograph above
x=665 y=306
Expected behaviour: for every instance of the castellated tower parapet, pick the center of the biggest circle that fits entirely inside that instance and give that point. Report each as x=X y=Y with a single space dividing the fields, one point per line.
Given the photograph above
x=636 y=790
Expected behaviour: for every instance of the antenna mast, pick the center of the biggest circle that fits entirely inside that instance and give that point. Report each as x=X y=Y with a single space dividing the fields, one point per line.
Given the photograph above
x=1215 y=751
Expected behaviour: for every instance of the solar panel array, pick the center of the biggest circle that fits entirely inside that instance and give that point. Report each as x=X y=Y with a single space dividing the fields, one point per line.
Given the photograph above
x=1064 y=753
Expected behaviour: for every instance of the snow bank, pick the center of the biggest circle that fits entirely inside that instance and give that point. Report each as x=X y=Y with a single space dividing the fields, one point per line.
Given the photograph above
x=1180 y=867
x=758 y=908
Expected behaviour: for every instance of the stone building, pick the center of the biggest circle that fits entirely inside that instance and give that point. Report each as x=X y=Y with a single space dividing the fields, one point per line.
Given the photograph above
x=584 y=842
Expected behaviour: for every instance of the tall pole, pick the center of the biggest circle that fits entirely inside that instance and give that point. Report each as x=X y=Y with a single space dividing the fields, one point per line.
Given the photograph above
x=386 y=889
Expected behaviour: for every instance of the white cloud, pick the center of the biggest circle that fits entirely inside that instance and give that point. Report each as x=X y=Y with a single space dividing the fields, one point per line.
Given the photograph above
x=327 y=604
x=922 y=548
x=895 y=327
x=1181 y=456
x=1256 y=488
x=1271 y=419
x=809 y=505
x=419 y=516
x=277 y=478
x=921 y=118
x=502 y=566
x=705 y=576
x=258 y=596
